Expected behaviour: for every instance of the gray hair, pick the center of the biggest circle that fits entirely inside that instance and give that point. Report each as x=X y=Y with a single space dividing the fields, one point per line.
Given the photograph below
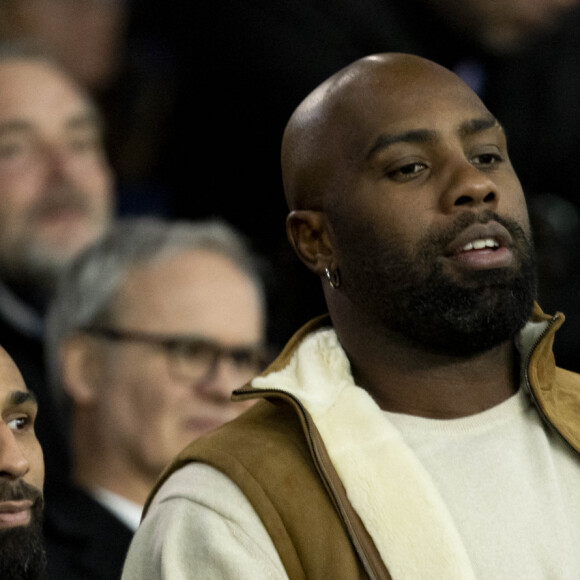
x=86 y=292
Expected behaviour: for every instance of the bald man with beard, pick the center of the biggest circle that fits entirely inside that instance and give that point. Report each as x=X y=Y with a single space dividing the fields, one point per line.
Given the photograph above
x=421 y=429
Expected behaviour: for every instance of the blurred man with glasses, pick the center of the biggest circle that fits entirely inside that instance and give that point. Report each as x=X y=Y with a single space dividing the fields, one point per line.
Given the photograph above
x=150 y=331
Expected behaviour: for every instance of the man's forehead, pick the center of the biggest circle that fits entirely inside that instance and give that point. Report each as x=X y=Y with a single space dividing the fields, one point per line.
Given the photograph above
x=16 y=71
x=406 y=93
x=380 y=94
x=20 y=116
x=37 y=84
x=394 y=114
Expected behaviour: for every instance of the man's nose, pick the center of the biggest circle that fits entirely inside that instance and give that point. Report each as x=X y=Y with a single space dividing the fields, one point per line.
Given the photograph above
x=57 y=162
x=13 y=463
x=467 y=187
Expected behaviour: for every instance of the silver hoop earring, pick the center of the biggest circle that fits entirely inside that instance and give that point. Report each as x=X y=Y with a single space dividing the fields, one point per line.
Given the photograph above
x=333 y=278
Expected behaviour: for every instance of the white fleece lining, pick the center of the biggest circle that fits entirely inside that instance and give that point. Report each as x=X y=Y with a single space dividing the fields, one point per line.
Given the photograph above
x=387 y=485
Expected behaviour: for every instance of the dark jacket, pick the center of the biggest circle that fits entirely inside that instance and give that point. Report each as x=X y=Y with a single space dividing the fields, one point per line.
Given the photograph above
x=84 y=540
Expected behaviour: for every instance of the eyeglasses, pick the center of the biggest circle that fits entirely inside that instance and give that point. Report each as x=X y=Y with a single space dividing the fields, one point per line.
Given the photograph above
x=193 y=357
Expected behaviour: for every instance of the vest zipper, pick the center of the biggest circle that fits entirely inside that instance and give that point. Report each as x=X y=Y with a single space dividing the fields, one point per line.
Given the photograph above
x=531 y=391
x=323 y=470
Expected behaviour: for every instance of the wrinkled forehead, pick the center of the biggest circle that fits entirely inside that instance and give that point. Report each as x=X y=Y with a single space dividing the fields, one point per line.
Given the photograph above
x=36 y=83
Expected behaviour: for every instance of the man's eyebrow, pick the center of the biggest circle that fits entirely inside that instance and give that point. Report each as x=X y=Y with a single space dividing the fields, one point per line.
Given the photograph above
x=88 y=118
x=14 y=126
x=415 y=136
x=20 y=398
x=474 y=126
x=466 y=129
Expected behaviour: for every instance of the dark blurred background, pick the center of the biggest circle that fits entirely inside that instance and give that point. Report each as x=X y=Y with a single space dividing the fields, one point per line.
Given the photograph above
x=196 y=96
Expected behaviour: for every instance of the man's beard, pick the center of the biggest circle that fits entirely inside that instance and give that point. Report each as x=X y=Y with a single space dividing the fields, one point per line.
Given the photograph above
x=22 y=554
x=32 y=265
x=414 y=297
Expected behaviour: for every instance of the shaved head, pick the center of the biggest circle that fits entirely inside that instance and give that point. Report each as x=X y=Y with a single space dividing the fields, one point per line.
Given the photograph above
x=404 y=202
x=327 y=133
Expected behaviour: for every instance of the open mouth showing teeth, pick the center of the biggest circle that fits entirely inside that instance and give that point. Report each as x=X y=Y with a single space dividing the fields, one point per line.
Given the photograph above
x=487 y=243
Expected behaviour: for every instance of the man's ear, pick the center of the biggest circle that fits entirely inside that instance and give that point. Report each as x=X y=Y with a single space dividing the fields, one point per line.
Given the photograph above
x=79 y=363
x=308 y=233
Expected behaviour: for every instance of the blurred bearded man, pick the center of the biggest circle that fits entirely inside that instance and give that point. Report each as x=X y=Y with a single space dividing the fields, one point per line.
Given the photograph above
x=22 y=555
x=56 y=197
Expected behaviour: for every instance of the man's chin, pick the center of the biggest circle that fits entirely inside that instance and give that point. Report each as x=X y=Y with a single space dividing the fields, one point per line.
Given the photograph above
x=66 y=237
x=51 y=250
x=22 y=553
x=485 y=310
x=477 y=324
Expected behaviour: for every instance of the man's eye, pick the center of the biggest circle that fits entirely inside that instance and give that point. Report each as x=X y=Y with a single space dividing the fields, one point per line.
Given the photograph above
x=19 y=423
x=84 y=144
x=193 y=349
x=488 y=159
x=406 y=171
x=243 y=357
x=10 y=150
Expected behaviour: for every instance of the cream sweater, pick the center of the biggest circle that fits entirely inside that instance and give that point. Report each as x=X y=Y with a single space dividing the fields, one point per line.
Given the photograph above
x=490 y=496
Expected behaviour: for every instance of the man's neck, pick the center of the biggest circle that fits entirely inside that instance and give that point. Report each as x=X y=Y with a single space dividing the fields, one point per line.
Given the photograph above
x=405 y=378
x=95 y=465
x=122 y=483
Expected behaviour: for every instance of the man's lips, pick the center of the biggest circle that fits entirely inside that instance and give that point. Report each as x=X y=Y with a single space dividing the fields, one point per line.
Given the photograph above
x=482 y=246
x=15 y=513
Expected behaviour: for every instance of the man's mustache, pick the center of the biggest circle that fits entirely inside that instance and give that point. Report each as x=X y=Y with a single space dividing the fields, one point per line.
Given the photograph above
x=61 y=198
x=442 y=239
x=20 y=490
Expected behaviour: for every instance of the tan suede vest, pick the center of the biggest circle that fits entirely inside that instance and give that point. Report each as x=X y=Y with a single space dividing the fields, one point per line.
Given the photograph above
x=271 y=463
x=275 y=455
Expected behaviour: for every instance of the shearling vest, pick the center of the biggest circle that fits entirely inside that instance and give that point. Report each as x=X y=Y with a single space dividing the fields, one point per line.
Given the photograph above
x=276 y=455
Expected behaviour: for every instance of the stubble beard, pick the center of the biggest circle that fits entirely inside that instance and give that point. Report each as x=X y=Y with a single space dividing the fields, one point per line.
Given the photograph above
x=32 y=265
x=413 y=296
